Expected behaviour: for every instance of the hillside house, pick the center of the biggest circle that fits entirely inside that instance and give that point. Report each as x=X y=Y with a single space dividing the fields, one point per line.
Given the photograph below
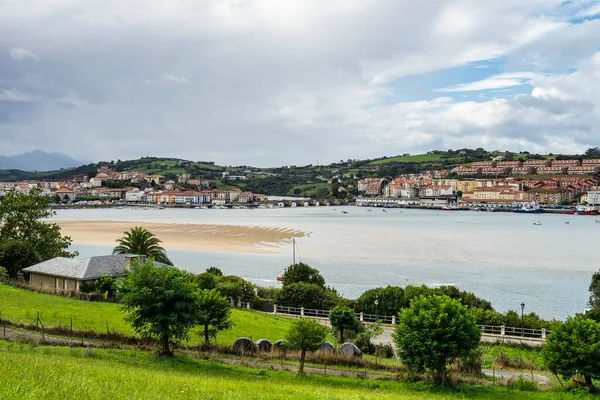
x=62 y=273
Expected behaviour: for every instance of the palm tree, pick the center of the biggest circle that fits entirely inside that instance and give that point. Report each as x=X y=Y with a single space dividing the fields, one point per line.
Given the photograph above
x=140 y=240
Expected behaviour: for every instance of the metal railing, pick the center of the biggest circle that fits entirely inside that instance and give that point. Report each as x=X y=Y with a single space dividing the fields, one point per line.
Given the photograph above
x=510 y=331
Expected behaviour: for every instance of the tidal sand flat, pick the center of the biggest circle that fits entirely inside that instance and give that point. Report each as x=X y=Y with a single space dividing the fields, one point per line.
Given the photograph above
x=204 y=237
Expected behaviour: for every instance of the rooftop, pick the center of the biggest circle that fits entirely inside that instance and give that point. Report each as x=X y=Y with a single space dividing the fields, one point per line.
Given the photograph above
x=85 y=268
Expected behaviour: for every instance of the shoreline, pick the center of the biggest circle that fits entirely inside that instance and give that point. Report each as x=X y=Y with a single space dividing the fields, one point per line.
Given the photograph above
x=178 y=236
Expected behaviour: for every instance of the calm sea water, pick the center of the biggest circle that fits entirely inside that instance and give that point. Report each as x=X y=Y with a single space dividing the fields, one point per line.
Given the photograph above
x=502 y=257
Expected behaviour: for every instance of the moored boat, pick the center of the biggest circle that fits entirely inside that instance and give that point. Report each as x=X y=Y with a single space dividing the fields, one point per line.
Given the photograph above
x=450 y=208
x=583 y=211
x=531 y=208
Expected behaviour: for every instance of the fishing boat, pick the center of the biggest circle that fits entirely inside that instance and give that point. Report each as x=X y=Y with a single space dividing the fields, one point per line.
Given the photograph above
x=450 y=208
x=530 y=208
x=584 y=211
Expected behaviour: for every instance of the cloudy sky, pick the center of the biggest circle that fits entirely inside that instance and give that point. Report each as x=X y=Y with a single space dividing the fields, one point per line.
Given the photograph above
x=274 y=82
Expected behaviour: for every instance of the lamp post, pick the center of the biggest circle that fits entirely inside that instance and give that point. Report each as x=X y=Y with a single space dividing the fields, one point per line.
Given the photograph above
x=376 y=307
x=522 y=318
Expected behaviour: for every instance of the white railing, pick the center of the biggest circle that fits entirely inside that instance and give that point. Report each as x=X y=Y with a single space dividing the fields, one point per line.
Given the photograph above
x=526 y=333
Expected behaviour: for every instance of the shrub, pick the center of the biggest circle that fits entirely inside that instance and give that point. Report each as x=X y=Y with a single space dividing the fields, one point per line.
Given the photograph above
x=522 y=384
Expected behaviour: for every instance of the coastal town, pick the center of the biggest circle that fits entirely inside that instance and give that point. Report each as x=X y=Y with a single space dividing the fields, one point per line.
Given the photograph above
x=495 y=183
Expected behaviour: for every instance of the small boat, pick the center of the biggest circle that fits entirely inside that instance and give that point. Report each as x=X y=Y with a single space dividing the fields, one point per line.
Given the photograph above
x=384 y=210
x=537 y=223
x=344 y=212
x=567 y=222
x=279 y=278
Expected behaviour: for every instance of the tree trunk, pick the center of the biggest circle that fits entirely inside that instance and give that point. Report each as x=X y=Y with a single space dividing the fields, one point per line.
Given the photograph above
x=166 y=350
x=342 y=335
x=589 y=383
x=302 y=357
x=439 y=375
x=206 y=334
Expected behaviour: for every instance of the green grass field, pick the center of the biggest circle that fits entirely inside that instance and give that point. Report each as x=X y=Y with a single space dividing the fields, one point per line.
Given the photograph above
x=21 y=306
x=309 y=189
x=405 y=159
x=45 y=372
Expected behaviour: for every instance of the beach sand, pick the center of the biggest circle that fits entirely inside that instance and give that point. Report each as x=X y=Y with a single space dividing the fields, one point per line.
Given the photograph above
x=220 y=238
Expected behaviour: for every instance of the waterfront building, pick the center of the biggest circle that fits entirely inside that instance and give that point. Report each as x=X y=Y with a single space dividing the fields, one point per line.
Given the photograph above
x=364 y=183
x=466 y=186
x=593 y=196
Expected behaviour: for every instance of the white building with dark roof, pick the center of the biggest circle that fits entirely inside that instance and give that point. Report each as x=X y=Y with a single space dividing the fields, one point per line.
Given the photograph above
x=68 y=273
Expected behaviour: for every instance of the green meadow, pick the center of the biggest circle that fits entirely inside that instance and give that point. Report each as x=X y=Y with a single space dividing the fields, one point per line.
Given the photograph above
x=21 y=306
x=45 y=372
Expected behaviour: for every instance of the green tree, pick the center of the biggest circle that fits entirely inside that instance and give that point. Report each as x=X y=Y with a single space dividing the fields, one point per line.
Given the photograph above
x=594 y=289
x=305 y=335
x=342 y=318
x=214 y=315
x=364 y=339
x=106 y=285
x=23 y=229
x=593 y=152
x=303 y=294
x=300 y=272
x=434 y=331
x=322 y=193
x=390 y=300
x=214 y=271
x=140 y=240
x=205 y=280
x=17 y=254
x=160 y=302
x=574 y=348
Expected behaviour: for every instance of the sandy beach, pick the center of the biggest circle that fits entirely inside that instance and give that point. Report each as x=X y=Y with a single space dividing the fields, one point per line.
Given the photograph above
x=206 y=237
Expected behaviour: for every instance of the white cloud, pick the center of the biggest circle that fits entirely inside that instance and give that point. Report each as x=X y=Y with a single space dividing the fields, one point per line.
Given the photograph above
x=14 y=96
x=292 y=81
x=500 y=81
x=20 y=54
x=591 y=11
x=175 y=79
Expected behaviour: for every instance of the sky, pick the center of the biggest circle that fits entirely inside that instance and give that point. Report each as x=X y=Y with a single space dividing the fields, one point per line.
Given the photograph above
x=279 y=82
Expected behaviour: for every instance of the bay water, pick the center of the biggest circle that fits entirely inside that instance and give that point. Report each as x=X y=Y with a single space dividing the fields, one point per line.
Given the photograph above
x=502 y=257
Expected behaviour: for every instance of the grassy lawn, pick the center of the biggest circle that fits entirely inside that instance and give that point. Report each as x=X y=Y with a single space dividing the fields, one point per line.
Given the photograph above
x=21 y=306
x=511 y=357
x=309 y=189
x=404 y=159
x=36 y=372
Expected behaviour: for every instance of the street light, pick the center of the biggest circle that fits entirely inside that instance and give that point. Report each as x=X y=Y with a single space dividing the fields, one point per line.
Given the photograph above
x=376 y=307
x=522 y=318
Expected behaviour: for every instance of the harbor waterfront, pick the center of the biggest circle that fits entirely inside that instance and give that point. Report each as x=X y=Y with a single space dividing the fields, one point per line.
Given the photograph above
x=504 y=258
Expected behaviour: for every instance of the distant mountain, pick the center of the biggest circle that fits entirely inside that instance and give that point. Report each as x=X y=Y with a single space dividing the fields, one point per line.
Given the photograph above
x=38 y=161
